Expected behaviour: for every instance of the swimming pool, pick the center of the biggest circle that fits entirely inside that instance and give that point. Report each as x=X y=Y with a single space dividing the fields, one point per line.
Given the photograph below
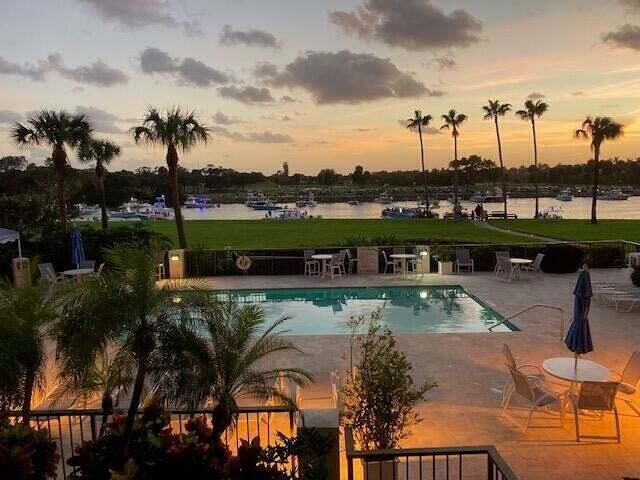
x=416 y=309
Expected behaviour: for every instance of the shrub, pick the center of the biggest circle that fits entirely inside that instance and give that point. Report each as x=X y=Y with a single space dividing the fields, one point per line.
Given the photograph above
x=562 y=259
x=364 y=241
x=27 y=454
x=635 y=276
x=605 y=256
x=443 y=254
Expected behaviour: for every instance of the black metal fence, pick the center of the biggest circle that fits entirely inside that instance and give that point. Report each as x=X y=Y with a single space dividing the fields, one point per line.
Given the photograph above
x=477 y=462
x=290 y=261
x=70 y=428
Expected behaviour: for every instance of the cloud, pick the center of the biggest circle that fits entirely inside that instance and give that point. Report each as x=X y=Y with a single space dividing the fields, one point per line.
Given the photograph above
x=34 y=72
x=134 y=14
x=579 y=93
x=286 y=118
x=631 y=5
x=101 y=120
x=288 y=99
x=250 y=38
x=344 y=77
x=220 y=118
x=445 y=63
x=425 y=130
x=187 y=71
x=415 y=25
x=248 y=95
x=8 y=116
x=535 y=96
x=266 y=137
x=626 y=36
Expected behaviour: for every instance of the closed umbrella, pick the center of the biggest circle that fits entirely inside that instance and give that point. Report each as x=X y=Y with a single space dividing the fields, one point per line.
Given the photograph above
x=578 y=338
x=77 y=250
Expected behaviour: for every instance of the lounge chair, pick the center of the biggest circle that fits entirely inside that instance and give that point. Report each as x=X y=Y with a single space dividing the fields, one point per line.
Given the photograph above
x=464 y=260
x=535 y=374
x=535 y=394
x=48 y=273
x=535 y=266
x=597 y=397
x=629 y=379
x=311 y=266
x=625 y=302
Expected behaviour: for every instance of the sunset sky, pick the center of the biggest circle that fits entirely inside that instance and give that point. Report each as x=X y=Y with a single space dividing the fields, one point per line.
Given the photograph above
x=324 y=84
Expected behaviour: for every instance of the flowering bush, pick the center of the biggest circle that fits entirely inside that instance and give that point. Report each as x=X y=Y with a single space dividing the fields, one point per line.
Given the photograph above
x=27 y=454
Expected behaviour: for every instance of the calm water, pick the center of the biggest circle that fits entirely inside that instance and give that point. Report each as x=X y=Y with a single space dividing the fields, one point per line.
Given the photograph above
x=523 y=207
x=324 y=311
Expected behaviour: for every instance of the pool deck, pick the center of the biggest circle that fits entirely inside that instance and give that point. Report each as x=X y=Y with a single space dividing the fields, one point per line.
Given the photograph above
x=468 y=367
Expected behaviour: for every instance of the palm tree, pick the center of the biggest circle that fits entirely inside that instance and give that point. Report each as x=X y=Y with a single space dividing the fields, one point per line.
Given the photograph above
x=531 y=111
x=493 y=110
x=176 y=130
x=102 y=152
x=27 y=313
x=598 y=130
x=227 y=361
x=452 y=121
x=418 y=122
x=123 y=310
x=57 y=130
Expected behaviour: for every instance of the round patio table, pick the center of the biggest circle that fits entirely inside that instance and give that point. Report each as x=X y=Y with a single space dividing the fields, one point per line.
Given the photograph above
x=324 y=258
x=564 y=368
x=403 y=257
x=77 y=272
x=521 y=261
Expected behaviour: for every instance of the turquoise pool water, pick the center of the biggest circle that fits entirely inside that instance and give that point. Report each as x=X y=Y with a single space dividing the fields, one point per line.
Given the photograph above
x=324 y=311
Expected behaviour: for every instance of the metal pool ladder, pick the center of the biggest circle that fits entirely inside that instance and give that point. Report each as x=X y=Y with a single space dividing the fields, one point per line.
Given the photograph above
x=531 y=307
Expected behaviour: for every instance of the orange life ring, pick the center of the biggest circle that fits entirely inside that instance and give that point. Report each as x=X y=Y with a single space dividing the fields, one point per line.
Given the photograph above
x=243 y=263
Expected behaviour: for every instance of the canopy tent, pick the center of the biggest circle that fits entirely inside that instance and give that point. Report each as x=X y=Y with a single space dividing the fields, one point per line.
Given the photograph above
x=7 y=236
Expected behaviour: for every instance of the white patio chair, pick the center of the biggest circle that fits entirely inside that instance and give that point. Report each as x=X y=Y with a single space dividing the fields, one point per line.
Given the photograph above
x=87 y=264
x=389 y=263
x=99 y=271
x=538 y=397
x=351 y=261
x=597 y=397
x=342 y=258
x=506 y=269
x=500 y=254
x=48 y=273
x=535 y=266
x=535 y=374
x=311 y=266
x=464 y=260
x=335 y=266
x=629 y=379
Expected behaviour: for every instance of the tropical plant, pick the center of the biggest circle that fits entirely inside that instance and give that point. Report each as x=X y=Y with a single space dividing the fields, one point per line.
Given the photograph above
x=533 y=110
x=27 y=314
x=598 y=129
x=123 y=310
x=27 y=454
x=443 y=254
x=57 y=130
x=493 y=110
x=452 y=121
x=380 y=397
x=225 y=361
x=310 y=448
x=418 y=122
x=176 y=130
x=102 y=152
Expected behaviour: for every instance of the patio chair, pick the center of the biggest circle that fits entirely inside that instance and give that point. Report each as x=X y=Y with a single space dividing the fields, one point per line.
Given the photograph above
x=535 y=374
x=389 y=263
x=500 y=254
x=87 y=264
x=506 y=269
x=48 y=273
x=464 y=260
x=311 y=266
x=538 y=397
x=351 y=261
x=629 y=379
x=625 y=302
x=160 y=270
x=335 y=265
x=597 y=397
x=343 y=258
x=535 y=266
x=99 y=271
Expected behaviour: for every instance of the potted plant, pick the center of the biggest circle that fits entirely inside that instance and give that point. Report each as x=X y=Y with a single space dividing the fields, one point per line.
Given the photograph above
x=445 y=257
x=380 y=396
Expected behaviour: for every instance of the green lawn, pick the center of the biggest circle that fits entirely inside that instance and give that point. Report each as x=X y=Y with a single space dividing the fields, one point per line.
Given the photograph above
x=576 y=229
x=298 y=233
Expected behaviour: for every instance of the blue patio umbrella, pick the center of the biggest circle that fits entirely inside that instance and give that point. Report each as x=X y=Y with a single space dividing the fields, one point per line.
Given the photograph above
x=578 y=338
x=77 y=250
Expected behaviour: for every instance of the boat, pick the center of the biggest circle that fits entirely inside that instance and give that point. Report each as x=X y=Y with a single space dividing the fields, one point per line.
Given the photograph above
x=258 y=201
x=432 y=205
x=288 y=214
x=353 y=203
x=201 y=201
x=565 y=195
x=400 y=212
x=613 y=194
x=478 y=197
x=495 y=196
x=552 y=213
x=86 y=210
x=306 y=202
x=384 y=198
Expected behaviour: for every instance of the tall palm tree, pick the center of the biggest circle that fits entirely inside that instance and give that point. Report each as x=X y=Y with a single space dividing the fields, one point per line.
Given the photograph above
x=533 y=110
x=226 y=361
x=123 y=310
x=57 y=130
x=176 y=130
x=492 y=111
x=452 y=121
x=102 y=152
x=598 y=129
x=419 y=121
x=27 y=314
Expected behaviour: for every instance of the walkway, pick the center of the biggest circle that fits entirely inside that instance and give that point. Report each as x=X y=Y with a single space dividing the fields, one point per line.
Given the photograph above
x=528 y=236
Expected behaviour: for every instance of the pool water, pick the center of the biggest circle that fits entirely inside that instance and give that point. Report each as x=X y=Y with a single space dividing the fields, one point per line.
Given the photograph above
x=324 y=311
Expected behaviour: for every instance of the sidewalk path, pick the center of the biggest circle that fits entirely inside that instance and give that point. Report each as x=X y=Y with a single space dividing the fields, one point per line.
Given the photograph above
x=529 y=236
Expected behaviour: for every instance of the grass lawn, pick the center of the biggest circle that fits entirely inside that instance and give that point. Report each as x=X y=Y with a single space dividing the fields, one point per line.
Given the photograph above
x=576 y=229
x=297 y=233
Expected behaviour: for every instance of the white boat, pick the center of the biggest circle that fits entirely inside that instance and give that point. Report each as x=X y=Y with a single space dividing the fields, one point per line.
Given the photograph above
x=307 y=202
x=86 y=210
x=477 y=197
x=287 y=214
x=432 y=205
x=258 y=201
x=494 y=196
x=552 y=213
x=201 y=201
x=400 y=212
x=565 y=195
x=613 y=194
x=384 y=198
x=353 y=203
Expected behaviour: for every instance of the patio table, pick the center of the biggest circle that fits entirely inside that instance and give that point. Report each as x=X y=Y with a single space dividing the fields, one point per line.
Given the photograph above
x=77 y=273
x=520 y=262
x=564 y=368
x=403 y=257
x=324 y=258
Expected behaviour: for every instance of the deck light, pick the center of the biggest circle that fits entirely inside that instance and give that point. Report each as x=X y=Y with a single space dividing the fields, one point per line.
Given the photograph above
x=175 y=258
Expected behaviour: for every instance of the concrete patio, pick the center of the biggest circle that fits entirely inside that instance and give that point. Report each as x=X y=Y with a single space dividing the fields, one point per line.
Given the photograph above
x=468 y=367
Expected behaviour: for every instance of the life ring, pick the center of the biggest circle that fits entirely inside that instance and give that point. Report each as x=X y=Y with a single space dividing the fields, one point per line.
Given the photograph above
x=243 y=263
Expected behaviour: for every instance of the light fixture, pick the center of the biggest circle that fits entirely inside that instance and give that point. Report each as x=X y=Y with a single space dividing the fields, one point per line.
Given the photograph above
x=175 y=258
x=177 y=299
x=423 y=294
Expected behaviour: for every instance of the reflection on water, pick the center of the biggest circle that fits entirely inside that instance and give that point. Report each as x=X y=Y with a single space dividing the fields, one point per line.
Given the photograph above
x=523 y=207
x=324 y=311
